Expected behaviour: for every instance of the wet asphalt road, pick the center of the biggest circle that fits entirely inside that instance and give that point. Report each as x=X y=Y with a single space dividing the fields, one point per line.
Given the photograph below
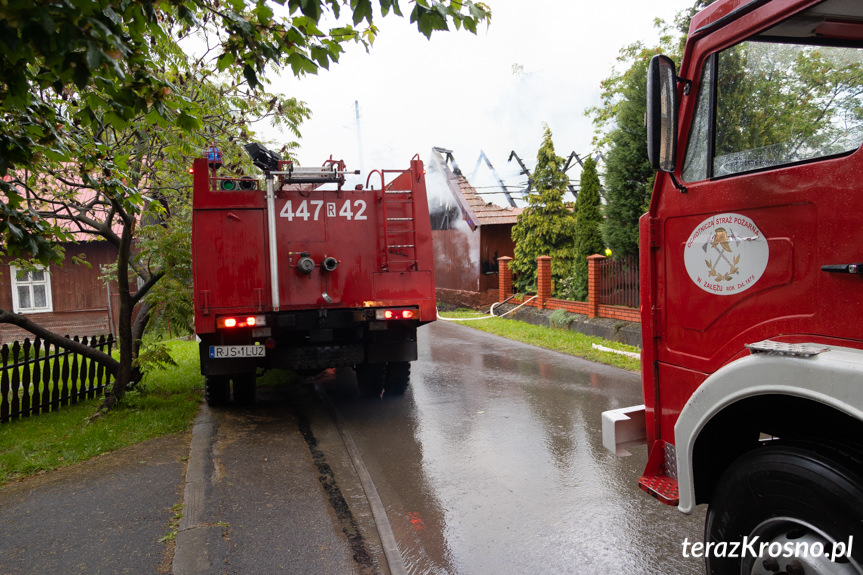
x=280 y=494
x=106 y=516
x=493 y=462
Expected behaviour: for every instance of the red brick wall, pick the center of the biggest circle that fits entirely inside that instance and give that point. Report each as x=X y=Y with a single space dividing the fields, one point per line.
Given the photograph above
x=543 y=280
x=504 y=277
x=581 y=307
x=620 y=312
x=590 y=308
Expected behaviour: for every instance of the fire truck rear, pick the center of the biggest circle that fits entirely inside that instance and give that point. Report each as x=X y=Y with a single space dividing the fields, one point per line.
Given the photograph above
x=294 y=271
x=752 y=287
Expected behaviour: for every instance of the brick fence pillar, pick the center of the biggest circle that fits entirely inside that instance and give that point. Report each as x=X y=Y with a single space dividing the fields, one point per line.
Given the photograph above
x=543 y=280
x=593 y=284
x=504 y=278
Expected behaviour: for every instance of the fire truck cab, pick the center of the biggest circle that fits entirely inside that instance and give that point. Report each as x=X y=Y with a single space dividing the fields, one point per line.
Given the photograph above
x=752 y=285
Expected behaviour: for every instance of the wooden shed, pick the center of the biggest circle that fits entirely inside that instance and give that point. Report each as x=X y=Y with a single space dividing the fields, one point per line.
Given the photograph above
x=469 y=234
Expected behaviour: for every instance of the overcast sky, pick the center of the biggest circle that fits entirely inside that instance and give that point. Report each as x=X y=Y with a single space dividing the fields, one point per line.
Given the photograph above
x=538 y=61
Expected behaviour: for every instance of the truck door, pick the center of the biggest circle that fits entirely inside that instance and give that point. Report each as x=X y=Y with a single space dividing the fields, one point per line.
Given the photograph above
x=231 y=271
x=769 y=192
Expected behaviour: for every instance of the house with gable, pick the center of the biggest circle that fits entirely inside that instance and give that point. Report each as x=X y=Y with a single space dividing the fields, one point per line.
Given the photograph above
x=469 y=233
x=68 y=298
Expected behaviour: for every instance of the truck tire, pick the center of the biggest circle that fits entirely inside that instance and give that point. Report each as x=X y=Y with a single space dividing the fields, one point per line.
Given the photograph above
x=371 y=378
x=216 y=390
x=791 y=497
x=244 y=389
x=398 y=377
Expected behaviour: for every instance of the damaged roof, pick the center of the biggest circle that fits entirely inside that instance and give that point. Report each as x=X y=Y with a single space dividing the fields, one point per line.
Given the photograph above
x=486 y=213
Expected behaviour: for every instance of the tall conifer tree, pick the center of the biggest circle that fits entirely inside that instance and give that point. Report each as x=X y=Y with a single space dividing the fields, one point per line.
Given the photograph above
x=628 y=175
x=588 y=237
x=546 y=227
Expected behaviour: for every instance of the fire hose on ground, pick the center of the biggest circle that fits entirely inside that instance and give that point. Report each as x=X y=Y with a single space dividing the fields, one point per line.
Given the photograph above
x=490 y=311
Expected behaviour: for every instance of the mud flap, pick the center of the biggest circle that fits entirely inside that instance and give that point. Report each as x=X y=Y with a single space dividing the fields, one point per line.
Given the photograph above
x=391 y=351
x=397 y=343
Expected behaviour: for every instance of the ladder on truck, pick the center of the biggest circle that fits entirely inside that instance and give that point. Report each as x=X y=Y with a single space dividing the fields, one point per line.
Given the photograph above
x=400 y=236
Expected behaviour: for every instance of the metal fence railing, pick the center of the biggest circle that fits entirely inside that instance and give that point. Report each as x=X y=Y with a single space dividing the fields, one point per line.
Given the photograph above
x=618 y=281
x=36 y=377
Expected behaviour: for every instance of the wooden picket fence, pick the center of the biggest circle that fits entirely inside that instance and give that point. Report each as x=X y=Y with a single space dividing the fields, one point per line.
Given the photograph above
x=38 y=377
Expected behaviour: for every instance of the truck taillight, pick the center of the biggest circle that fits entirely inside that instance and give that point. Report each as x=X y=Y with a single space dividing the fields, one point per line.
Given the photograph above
x=396 y=314
x=229 y=322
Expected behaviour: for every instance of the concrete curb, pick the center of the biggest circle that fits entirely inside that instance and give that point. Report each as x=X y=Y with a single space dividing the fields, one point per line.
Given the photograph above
x=609 y=329
x=199 y=546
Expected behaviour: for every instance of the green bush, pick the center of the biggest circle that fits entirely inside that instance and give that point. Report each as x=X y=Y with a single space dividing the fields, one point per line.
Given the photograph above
x=560 y=318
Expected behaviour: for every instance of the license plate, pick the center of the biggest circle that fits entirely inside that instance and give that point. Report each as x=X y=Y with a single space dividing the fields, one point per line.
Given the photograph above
x=229 y=351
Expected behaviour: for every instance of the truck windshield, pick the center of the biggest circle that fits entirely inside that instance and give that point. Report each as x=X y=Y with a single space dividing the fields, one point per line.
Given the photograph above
x=776 y=104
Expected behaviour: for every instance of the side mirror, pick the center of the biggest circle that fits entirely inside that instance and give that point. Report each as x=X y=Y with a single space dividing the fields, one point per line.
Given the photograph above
x=662 y=114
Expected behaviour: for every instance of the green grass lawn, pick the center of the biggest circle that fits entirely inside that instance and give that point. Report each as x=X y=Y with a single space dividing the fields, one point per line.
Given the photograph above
x=562 y=340
x=165 y=402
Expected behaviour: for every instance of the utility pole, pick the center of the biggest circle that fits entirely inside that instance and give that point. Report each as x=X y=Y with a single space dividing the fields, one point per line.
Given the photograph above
x=359 y=136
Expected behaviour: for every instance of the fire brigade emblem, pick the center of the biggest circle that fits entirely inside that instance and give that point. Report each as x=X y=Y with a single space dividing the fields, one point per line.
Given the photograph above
x=726 y=254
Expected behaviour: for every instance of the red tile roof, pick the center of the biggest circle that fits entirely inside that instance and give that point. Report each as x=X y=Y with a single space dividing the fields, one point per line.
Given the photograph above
x=82 y=197
x=486 y=213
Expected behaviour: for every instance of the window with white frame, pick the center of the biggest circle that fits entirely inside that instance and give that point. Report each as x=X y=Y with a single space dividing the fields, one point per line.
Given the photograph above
x=31 y=290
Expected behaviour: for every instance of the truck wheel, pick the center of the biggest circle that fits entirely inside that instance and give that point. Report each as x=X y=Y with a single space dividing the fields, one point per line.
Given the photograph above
x=398 y=377
x=371 y=378
x=792 y=499
x=216 y=390
x=244 y=389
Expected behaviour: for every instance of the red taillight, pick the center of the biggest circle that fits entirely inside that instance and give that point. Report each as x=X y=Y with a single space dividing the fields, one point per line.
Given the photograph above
x=396 y=314
x=240 y=321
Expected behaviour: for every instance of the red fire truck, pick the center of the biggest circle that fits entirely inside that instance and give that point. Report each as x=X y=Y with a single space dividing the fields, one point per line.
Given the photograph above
x=294 y=271
x=752 y=287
